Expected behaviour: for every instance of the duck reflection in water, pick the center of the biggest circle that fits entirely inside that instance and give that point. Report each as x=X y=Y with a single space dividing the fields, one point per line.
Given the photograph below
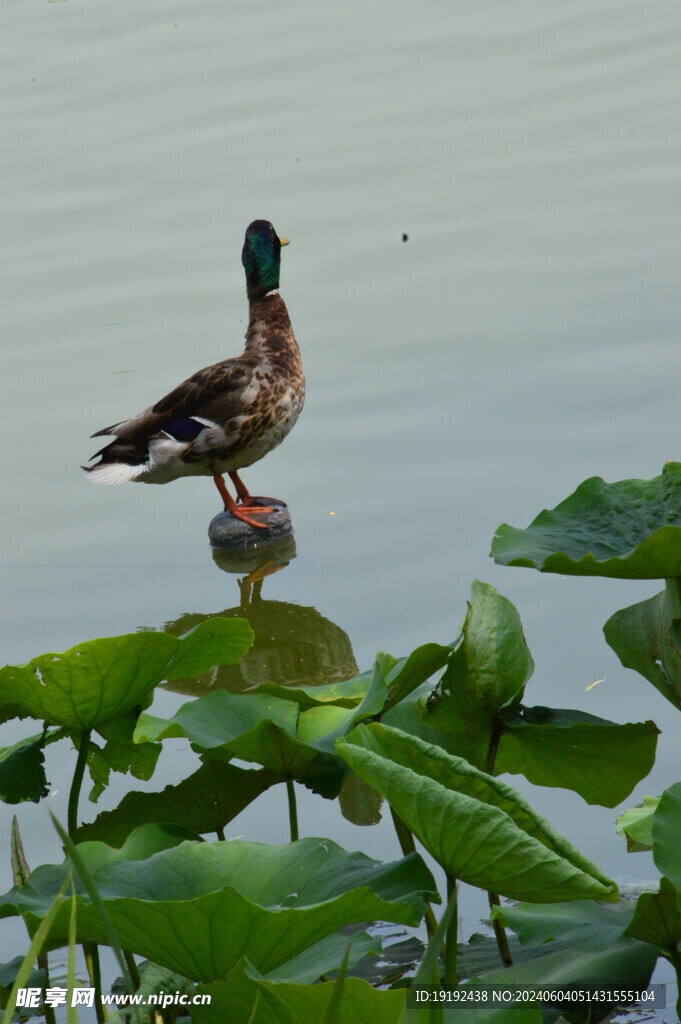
x=294 y=645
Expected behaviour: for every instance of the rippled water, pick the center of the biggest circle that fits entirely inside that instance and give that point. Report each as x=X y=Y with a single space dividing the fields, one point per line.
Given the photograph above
x=523 y=337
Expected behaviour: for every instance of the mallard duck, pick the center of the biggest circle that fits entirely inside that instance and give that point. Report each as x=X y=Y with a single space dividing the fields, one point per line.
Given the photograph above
x=228 y=415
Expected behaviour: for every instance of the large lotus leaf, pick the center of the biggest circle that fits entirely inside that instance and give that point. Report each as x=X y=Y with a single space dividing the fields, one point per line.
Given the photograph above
x=413 y=715
x=196 y=908
x=205 y=802
x=667 y=836
x=253 y=726
x=401 y=675
x=626 y=964
x=405 y=675
x=320 y=727
x=584 y=925
x=600 y=760
x=216 y=641
x=328 y=955
x=245 y=997
x=657 y=919
x=491 y=664
x=645 y=637
x=99 y=679
x=8 y=975
x=630 y=530
x=119 y=754
x=478 y=828
x=637 y=825
x=550 y=747
x=265 y=729
x=22 y=771
x=347 y=694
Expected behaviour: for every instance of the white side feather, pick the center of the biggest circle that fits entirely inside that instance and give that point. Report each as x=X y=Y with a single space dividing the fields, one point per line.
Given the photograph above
x=113 y=473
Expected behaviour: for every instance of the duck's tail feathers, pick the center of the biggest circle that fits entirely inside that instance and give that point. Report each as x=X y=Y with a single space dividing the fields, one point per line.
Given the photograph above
x=113 y=473
x=119 y=462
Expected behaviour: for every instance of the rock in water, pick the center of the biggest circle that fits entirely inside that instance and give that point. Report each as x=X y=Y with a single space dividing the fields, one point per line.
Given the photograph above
x=226 y=531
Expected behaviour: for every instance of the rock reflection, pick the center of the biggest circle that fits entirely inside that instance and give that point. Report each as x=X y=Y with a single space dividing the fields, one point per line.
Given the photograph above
x=294 y=645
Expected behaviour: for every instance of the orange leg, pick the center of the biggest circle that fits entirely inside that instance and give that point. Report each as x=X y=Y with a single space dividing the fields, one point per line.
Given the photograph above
x=245 y=497
x=243 y=512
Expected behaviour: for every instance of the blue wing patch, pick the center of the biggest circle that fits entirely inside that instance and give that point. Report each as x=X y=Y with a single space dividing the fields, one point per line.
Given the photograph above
x=184 y=430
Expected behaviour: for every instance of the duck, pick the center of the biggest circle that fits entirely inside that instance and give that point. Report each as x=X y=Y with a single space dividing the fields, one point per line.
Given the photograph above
x=227 y=416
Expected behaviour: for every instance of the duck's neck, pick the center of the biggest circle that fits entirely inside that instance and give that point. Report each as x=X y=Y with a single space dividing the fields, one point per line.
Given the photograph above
x=269 y=327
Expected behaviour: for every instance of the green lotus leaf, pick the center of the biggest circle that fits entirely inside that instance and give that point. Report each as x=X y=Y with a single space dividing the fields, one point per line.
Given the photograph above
x=626 y=964
x=637 y=824
x=205 y=802
x=197 y=908
x=657 y=919
x=584 y=925
x=245 y=997
x=253 y=726
x=266 y=730
x=464 y=818
x=346 y=694
x=550 y=747
x=645 y=637
x=667 y=836
x=630 y=530
x=8 y=974
x=327 y=956
x=119 y=753
x=600 y=760
x=100 y=679
x=491 y=664
x=215 y=641
x=405 y=675
x=322 y=726
x=22 y=771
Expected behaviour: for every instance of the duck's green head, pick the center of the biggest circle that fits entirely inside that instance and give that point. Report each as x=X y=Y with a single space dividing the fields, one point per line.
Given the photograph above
x=261 y=256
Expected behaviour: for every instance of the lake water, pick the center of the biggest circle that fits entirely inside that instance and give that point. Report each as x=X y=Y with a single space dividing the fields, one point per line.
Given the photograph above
x=524 y=337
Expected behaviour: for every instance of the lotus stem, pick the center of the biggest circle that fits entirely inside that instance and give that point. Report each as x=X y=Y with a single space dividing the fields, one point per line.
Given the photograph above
x=675 y=958
x=451 y=977
x=132 y=968
x=91 y=951
x=407 y=845
x=497 y=730
x=499 y=930
x=220 y=833
x=43 y=963
x=292 y=809
x=76 y=783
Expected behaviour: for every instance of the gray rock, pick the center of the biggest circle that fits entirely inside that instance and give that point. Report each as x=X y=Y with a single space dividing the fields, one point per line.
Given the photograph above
x=226 y=531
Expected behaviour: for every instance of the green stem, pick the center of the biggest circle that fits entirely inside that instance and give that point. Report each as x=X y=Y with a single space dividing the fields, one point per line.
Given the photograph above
x=404 y=835
x=675 y=958
x=133 y=968
x=91 y=951
x=407 y=845
x=220 y=832
x=499 y=930
x=50 y=1016
x=451 y=977
x=292 y=809
x=497 y=730
x=76 y=783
